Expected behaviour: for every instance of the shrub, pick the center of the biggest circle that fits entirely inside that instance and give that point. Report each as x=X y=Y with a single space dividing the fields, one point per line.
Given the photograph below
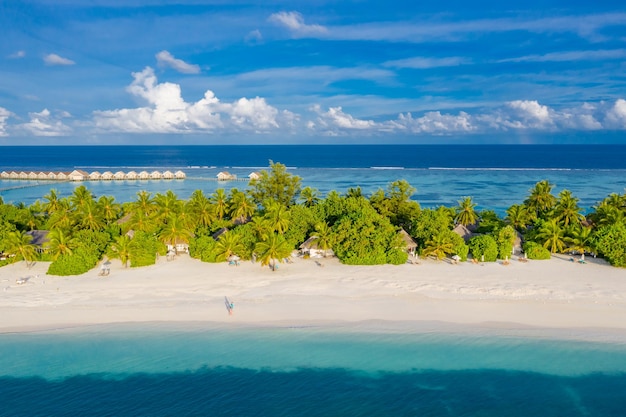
x=536 y=251
x=80 y=261
x=203 y=248
x=611 y=243
x=484 y=246
x=144 y=249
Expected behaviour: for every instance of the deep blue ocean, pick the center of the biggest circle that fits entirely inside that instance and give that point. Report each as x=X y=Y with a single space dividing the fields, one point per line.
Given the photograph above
x=496 y=176
x=218 y=370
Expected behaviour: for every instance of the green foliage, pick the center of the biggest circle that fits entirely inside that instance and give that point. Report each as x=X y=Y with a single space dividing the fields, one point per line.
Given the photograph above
x=611 y=242
x=459 y=247
x=489 y=222
x=276 y=184
x=203 y=248
x=429 y=223
x=144 y=249
x=360 y=224
x=506 y=239
x=484 y=245
x=533 y=250
x=80 y=261
x=302 y=221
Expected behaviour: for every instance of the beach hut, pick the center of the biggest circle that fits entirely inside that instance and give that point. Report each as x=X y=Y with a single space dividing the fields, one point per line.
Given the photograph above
x=32 y=175
x=131 y=175
x=168 y=175
x=119 y=175
x=180 y=175
x=156 y=175
x=42 y=176
x=107 y=176
x=225 y=176
x=144 y=175
x=409 y=244
x=179 y=246
x=254 y=176
x=95 y=176
x=39 y=239
x=5 y=175
x=78 y=175
x=309 y=247
x=463 y=231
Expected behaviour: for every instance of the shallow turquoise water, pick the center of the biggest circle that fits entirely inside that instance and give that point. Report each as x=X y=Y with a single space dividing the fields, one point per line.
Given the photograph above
x=334 y=370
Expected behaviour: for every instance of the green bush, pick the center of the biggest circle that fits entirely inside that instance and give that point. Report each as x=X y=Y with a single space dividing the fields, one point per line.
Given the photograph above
x=484 y=246
x=397 y=257
x=80 y=261
x=144 y=249
x=203 y=248
x=611 y=243
x=536 y=251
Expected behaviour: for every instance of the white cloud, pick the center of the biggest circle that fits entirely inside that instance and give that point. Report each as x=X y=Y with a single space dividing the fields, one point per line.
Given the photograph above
x=167 y=112
x=616 y=116
x=434 y=123
x=529 y=114
x=294 y=21
x=165 y=59
x=254 y=36
x=569 y=56
x=4 y=115
x=425 y=63
x=44 y=124
x=54 y=59
x=18 y=55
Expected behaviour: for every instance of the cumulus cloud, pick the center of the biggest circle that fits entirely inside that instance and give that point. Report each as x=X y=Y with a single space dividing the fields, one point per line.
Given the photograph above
x=335 y=120
x=167 y=112
x=434 y=123
x=294 y=21
x=4 y=115
x=45 y=124
x=616 y=116
x=165 y=59
x=54 y=59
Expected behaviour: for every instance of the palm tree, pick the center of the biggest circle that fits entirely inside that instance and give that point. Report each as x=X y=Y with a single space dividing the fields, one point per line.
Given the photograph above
x=109 y=209
x=62 y=218
x=567 y=211
x=278 y=216
x=465 y=213
x=220 y=203
x=140 y=222
x=275 y=247
x=89 y=217
x=260 y=227
x=540 y=200
x=517 y=216
x=80 y=197
x=60 y=243
x=439 y=246
x=18 y=243
x=167 y=205
x=551 y=234
x=580 y=239
x=309 y=196
x=174 y=232
x=52 y=204
x=144 y=203
x=240 y=206
x=323 y=237
x=229 y=244
x=121 y=249
x=201 y=210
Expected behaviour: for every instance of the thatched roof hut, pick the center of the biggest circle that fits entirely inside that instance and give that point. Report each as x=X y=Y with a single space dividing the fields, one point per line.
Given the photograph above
x=410 y=244
x=463 y=231
x=95 y=175
x=144 y=175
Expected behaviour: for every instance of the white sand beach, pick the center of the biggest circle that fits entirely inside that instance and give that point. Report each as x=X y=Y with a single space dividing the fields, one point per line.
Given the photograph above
x=557 y=293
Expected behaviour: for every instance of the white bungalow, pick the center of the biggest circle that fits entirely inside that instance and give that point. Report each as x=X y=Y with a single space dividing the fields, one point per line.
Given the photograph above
x=52 y=175
x=156 y=175
x=23 y=175
x=180 y=175
x=144 y=175
x=180 y=247
x=168 y=175
x=14 y=175
x=95 y=176
x=63 y=176
x=225 y=176
x=309 y=247
x=119 y=175
x=132 y=175
x=5 y=175
x=42 y=176
x=78 y=175
x=254 y=176
x=107 y=176
x=32 y=175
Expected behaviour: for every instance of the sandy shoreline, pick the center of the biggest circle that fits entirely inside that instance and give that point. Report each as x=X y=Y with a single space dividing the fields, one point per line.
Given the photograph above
x=587 y=299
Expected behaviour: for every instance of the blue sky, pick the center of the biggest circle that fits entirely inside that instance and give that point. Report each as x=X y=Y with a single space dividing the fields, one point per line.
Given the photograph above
x=220 y=72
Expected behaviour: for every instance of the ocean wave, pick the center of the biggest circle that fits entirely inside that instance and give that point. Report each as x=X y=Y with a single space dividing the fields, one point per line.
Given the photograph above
x=389 y=168
x=497 y=169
